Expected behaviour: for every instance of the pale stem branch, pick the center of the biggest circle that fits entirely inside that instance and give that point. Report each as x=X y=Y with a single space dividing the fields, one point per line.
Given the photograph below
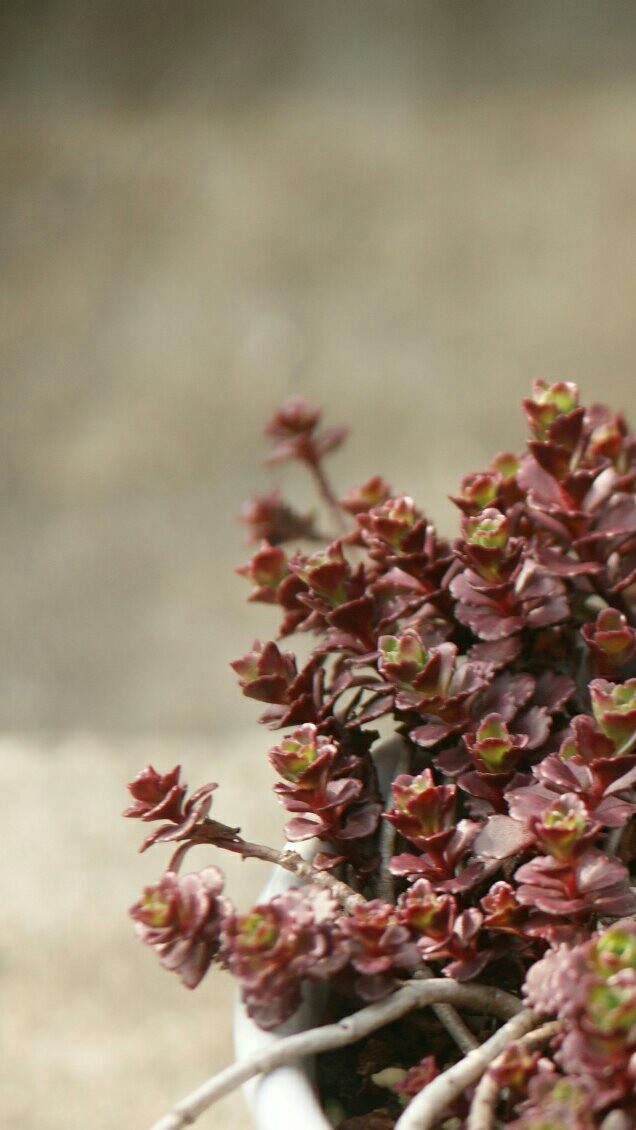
x=450 y=1018
x=455 y=1026
x=289 y=861
x=415 y=994
x=424 y=1111
x=484 y=1104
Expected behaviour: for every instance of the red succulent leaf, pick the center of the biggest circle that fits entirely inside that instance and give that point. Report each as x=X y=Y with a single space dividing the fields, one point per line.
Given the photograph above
x=433 y=732
x=294 y=417
x=429 y=917
x=618 y=517
x=550 y=402
x=422 y=811
x=183 y=919
x=502 y=910
x=492 y=748
x=266 y=569
x=380 y=948
x=265 y=673
x=273 y=947
x=156 y=796
x=294 y=426
x=614 y=708
x=477 y=491
x=562 y=565
x=593 y=883
x=271 y=519
x=304 y=758
x=413 y=1081
x=514 y=1067
x=319 y=784
x=392 y=522
x=558 y=1102
x=564 y=828
x=553 y=691
x=324 y=573
x=442 y=867
x=610 y=639
x=501 y=837
x=362 y=499
x=497 y=653
x=195 y=810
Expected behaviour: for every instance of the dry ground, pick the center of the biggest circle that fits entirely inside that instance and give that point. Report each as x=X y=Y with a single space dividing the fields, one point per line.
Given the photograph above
x=93 y=1033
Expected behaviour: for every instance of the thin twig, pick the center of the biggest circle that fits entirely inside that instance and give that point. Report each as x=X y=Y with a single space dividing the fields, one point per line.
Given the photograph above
x=425 y=1110
x=326 y=493
x=456 y=1028
x=416 y=994
x=483 y=1106
x=289 y=860
x=450 y=1018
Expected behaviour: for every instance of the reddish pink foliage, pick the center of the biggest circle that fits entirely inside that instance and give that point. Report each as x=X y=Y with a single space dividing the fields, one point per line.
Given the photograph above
x=505 y=660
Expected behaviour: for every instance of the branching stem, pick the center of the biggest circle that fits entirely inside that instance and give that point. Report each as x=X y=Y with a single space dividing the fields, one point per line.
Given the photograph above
x=483 y=1106
x=327 y=494
x=448 y=1015
x=207 y=832
x=424 y=1111
x=415 y=994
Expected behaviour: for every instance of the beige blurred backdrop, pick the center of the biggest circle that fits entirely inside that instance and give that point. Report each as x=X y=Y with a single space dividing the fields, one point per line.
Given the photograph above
x=402 y=210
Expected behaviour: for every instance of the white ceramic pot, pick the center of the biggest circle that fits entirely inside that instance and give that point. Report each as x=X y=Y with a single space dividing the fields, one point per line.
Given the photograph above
x=286 y=1098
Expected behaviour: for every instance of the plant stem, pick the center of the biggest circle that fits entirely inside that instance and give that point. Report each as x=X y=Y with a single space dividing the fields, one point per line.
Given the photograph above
x=229 y=839
x=386 y=885
x=450 y=1018
x=289 y=860
x=456 y=1028
x=415 y=994
x=425 y=1110
x=483 y=1106
x=327 y=495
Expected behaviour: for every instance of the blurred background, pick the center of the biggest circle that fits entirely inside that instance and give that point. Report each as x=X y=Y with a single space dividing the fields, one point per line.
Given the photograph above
x=403 y=210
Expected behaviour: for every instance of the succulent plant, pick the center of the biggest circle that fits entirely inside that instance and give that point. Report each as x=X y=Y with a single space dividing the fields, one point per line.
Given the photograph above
x=504 y=662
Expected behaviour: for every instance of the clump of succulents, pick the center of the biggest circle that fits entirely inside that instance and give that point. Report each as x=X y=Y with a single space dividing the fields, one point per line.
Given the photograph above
x=503 y=852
